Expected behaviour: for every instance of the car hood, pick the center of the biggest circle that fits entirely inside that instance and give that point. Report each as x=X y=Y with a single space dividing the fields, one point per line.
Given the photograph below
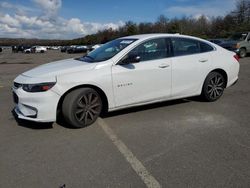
x=58 y=68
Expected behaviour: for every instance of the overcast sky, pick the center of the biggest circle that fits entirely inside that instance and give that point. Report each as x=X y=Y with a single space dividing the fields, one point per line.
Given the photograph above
x=68 y=19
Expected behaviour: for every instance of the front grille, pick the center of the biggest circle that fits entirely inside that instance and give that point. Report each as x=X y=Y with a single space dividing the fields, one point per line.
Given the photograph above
x=15 y=98
x=17 y=85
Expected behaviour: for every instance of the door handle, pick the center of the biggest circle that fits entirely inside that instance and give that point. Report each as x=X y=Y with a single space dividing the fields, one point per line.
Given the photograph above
x=203 y=60
x=162 y=66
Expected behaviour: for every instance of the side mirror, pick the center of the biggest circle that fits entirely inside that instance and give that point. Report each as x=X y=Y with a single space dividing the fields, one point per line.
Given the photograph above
x=136 y=59
x=132 y=58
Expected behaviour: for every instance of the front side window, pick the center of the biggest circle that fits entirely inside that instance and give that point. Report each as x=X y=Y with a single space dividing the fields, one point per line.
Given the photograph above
x=183 y=46
x=107 y=50
x=150 y=50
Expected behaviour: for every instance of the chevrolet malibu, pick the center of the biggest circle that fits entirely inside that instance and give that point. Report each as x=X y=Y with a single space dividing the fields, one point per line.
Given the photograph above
x=123 y=73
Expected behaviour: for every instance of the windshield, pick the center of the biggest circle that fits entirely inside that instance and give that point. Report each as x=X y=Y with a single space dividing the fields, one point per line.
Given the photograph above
x=239 y=36
x=107 y=50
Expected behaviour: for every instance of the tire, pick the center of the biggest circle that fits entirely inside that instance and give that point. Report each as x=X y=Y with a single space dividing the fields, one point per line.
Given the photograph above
x=82 y=107
x=42 y=51
x=213 y=87
x=243 y=53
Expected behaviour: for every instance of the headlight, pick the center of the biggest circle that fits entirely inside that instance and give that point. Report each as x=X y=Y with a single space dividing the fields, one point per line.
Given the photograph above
x=38 y=87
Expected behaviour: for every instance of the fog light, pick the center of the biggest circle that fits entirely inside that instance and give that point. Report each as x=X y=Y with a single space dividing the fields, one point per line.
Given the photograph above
x=27 y=110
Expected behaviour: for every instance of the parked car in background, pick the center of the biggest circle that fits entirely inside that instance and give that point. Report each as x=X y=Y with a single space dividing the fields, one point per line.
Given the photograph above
x=77 y=49
x=15 y=49
x=217 y=41
x=55 y=47
x=39 y=49
x=36 y=49
x=20 y=48
x=125 y=72
x=28 y=50
x=64 y=48
x=239 y=43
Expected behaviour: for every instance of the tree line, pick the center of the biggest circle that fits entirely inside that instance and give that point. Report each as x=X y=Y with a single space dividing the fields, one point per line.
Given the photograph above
x=237 y=20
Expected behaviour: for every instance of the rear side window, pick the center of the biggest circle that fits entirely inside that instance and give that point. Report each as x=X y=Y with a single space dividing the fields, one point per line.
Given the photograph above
x=205 y=47
x=183 y=46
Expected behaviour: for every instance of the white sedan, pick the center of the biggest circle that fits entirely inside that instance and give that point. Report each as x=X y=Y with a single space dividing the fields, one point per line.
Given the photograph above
x=36 y=49
x=125 y=72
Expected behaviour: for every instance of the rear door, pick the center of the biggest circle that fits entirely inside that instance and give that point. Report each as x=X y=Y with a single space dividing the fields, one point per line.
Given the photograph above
x=190 y=65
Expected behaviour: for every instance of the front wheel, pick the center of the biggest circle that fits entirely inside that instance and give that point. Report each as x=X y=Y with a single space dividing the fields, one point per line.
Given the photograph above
x=243 y=52
x=81 y=107
x=213 y=87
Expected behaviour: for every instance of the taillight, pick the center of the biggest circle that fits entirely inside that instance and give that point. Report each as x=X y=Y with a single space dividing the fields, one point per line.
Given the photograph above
x=237 y=57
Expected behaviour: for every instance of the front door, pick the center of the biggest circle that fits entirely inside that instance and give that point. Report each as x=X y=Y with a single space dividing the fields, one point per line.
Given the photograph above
x=147 y=80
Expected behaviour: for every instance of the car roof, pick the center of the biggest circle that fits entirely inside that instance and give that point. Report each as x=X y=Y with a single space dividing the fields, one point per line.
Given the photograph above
x=155 y=35
x=144 y=36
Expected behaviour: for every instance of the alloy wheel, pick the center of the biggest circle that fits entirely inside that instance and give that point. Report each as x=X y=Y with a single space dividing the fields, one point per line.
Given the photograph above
x=215 y=87
x=88 y=108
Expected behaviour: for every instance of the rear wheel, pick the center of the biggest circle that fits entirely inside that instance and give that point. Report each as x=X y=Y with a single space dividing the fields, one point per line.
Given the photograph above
x=213 y=87
x=81 y=107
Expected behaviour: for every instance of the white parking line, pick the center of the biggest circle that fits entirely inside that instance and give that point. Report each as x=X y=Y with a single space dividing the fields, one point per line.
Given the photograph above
x=138 y=167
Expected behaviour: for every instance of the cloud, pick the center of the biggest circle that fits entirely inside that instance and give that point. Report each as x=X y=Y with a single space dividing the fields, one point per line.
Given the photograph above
x=38 y=27
x=46 y=23
x=209 y=9
x=10 y=21
x=50 y=7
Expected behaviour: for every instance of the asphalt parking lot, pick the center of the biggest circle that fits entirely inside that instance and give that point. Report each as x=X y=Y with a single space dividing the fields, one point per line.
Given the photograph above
x=182 y=143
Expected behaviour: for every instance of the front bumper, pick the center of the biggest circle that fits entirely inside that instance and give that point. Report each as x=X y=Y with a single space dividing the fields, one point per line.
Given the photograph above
x=39 y=107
